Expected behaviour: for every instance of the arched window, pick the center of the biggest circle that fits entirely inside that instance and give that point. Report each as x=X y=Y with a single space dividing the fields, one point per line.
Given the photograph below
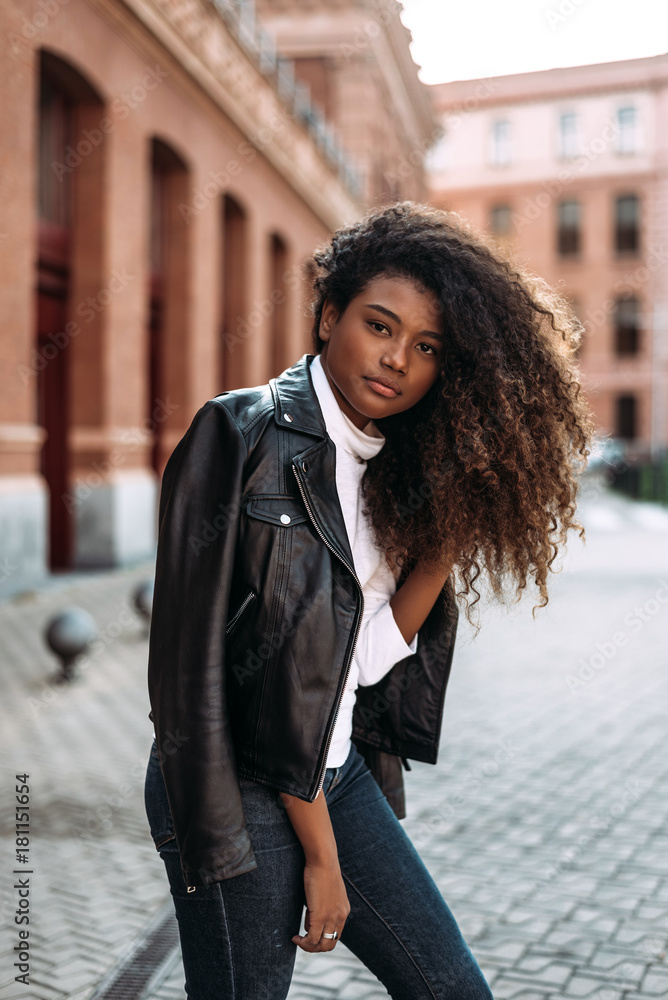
x=168 y=290
x=69 y=178
x=236 y=329
x=278 y=298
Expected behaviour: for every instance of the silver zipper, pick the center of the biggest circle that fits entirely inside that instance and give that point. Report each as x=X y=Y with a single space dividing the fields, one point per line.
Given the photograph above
x=238 y=613
x=345 y=562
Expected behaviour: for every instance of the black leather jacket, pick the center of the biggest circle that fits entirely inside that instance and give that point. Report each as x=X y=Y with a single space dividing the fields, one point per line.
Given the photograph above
x=256 y=612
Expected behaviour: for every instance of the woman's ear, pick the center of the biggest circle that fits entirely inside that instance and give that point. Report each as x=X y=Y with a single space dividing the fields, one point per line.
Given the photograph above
x=328 y=319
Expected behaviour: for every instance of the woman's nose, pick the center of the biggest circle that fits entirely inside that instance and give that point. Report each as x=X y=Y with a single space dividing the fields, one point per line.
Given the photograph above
x=396 y=357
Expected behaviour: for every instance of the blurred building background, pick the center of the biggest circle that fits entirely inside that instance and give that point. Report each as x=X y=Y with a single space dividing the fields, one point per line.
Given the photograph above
x=167 y=168
x=569 y=169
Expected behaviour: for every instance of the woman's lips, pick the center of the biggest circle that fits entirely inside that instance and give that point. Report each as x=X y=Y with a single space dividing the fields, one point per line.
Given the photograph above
x=382 y=390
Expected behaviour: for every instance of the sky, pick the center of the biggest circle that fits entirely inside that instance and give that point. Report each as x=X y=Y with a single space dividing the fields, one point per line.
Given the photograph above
x=467 y=39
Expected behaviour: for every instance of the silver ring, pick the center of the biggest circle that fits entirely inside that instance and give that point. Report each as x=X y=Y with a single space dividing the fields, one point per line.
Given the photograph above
x=332 y=937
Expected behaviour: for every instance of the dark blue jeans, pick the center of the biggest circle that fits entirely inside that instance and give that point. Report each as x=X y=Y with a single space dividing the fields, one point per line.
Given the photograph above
x=235 y=934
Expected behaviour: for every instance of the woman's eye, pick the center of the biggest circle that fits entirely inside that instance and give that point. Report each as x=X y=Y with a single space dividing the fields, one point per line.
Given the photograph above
x=429 y=346
x=375 y=323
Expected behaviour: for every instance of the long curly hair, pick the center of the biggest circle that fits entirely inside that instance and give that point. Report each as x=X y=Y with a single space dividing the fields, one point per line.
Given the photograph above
x=481 y=474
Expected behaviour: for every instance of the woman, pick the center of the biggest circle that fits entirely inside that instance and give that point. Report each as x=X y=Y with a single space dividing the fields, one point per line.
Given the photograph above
x=312 y=532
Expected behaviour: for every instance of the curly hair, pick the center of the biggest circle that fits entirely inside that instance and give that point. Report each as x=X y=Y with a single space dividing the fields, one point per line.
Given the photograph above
x=481 y=474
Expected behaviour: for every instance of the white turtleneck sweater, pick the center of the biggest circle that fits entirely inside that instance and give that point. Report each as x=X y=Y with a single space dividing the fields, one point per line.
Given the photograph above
x=380 y=644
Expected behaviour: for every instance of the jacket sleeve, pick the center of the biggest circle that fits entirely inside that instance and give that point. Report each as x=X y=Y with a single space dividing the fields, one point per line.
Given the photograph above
x=198 y=523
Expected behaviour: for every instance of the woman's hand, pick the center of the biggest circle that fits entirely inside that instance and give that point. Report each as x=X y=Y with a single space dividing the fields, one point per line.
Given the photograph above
x=327 y=903
x=327 y=907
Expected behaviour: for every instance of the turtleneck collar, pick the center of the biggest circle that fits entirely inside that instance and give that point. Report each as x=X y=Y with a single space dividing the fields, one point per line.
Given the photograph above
x=361 y=444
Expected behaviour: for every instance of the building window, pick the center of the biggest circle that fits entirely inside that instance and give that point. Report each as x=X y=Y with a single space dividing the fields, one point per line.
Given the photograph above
x=234 y=322
x=168 y=285
x=627 y=326
x=500 y=144
x=627 y=224
x=439 y=157
x=627 y=130
x=568 y=235
x=626 y=418
x=500 y=220
x=568 y=135
x=56 y=128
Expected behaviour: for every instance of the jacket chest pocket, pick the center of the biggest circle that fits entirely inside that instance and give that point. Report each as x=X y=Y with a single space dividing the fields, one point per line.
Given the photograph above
x=282 y=510
x=274 y=546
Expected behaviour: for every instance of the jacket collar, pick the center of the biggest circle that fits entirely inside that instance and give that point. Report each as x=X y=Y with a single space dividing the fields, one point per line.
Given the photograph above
x=296 y=404
x=296 y=407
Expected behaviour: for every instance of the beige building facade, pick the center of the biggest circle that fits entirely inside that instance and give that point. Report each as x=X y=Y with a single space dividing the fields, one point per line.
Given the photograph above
x=569 y=169
x=355 y=59
x=165 y=174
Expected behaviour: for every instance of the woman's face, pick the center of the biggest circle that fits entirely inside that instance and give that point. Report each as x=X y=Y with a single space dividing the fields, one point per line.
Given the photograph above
x=391 y=331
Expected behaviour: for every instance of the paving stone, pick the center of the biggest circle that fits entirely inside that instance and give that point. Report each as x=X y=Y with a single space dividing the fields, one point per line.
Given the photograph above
x=560 y=944
x=655 y=984
x=592 y=989
x=511 y=989
x=542 y=971
x=619 y=963
x=507 y=952
x=549 y=870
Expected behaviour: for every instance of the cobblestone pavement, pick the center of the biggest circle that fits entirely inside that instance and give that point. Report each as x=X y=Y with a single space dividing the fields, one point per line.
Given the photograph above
x=544 y=822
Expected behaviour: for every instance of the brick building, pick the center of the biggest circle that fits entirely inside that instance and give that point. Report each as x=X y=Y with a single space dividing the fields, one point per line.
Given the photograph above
x=165 y=174
x=569 y=167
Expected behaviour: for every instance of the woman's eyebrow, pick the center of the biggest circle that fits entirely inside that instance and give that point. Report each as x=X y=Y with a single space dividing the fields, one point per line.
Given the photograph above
x=397 y=319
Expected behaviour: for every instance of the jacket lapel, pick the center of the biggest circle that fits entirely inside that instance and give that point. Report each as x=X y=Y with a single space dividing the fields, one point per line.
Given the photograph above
x=296 y=408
